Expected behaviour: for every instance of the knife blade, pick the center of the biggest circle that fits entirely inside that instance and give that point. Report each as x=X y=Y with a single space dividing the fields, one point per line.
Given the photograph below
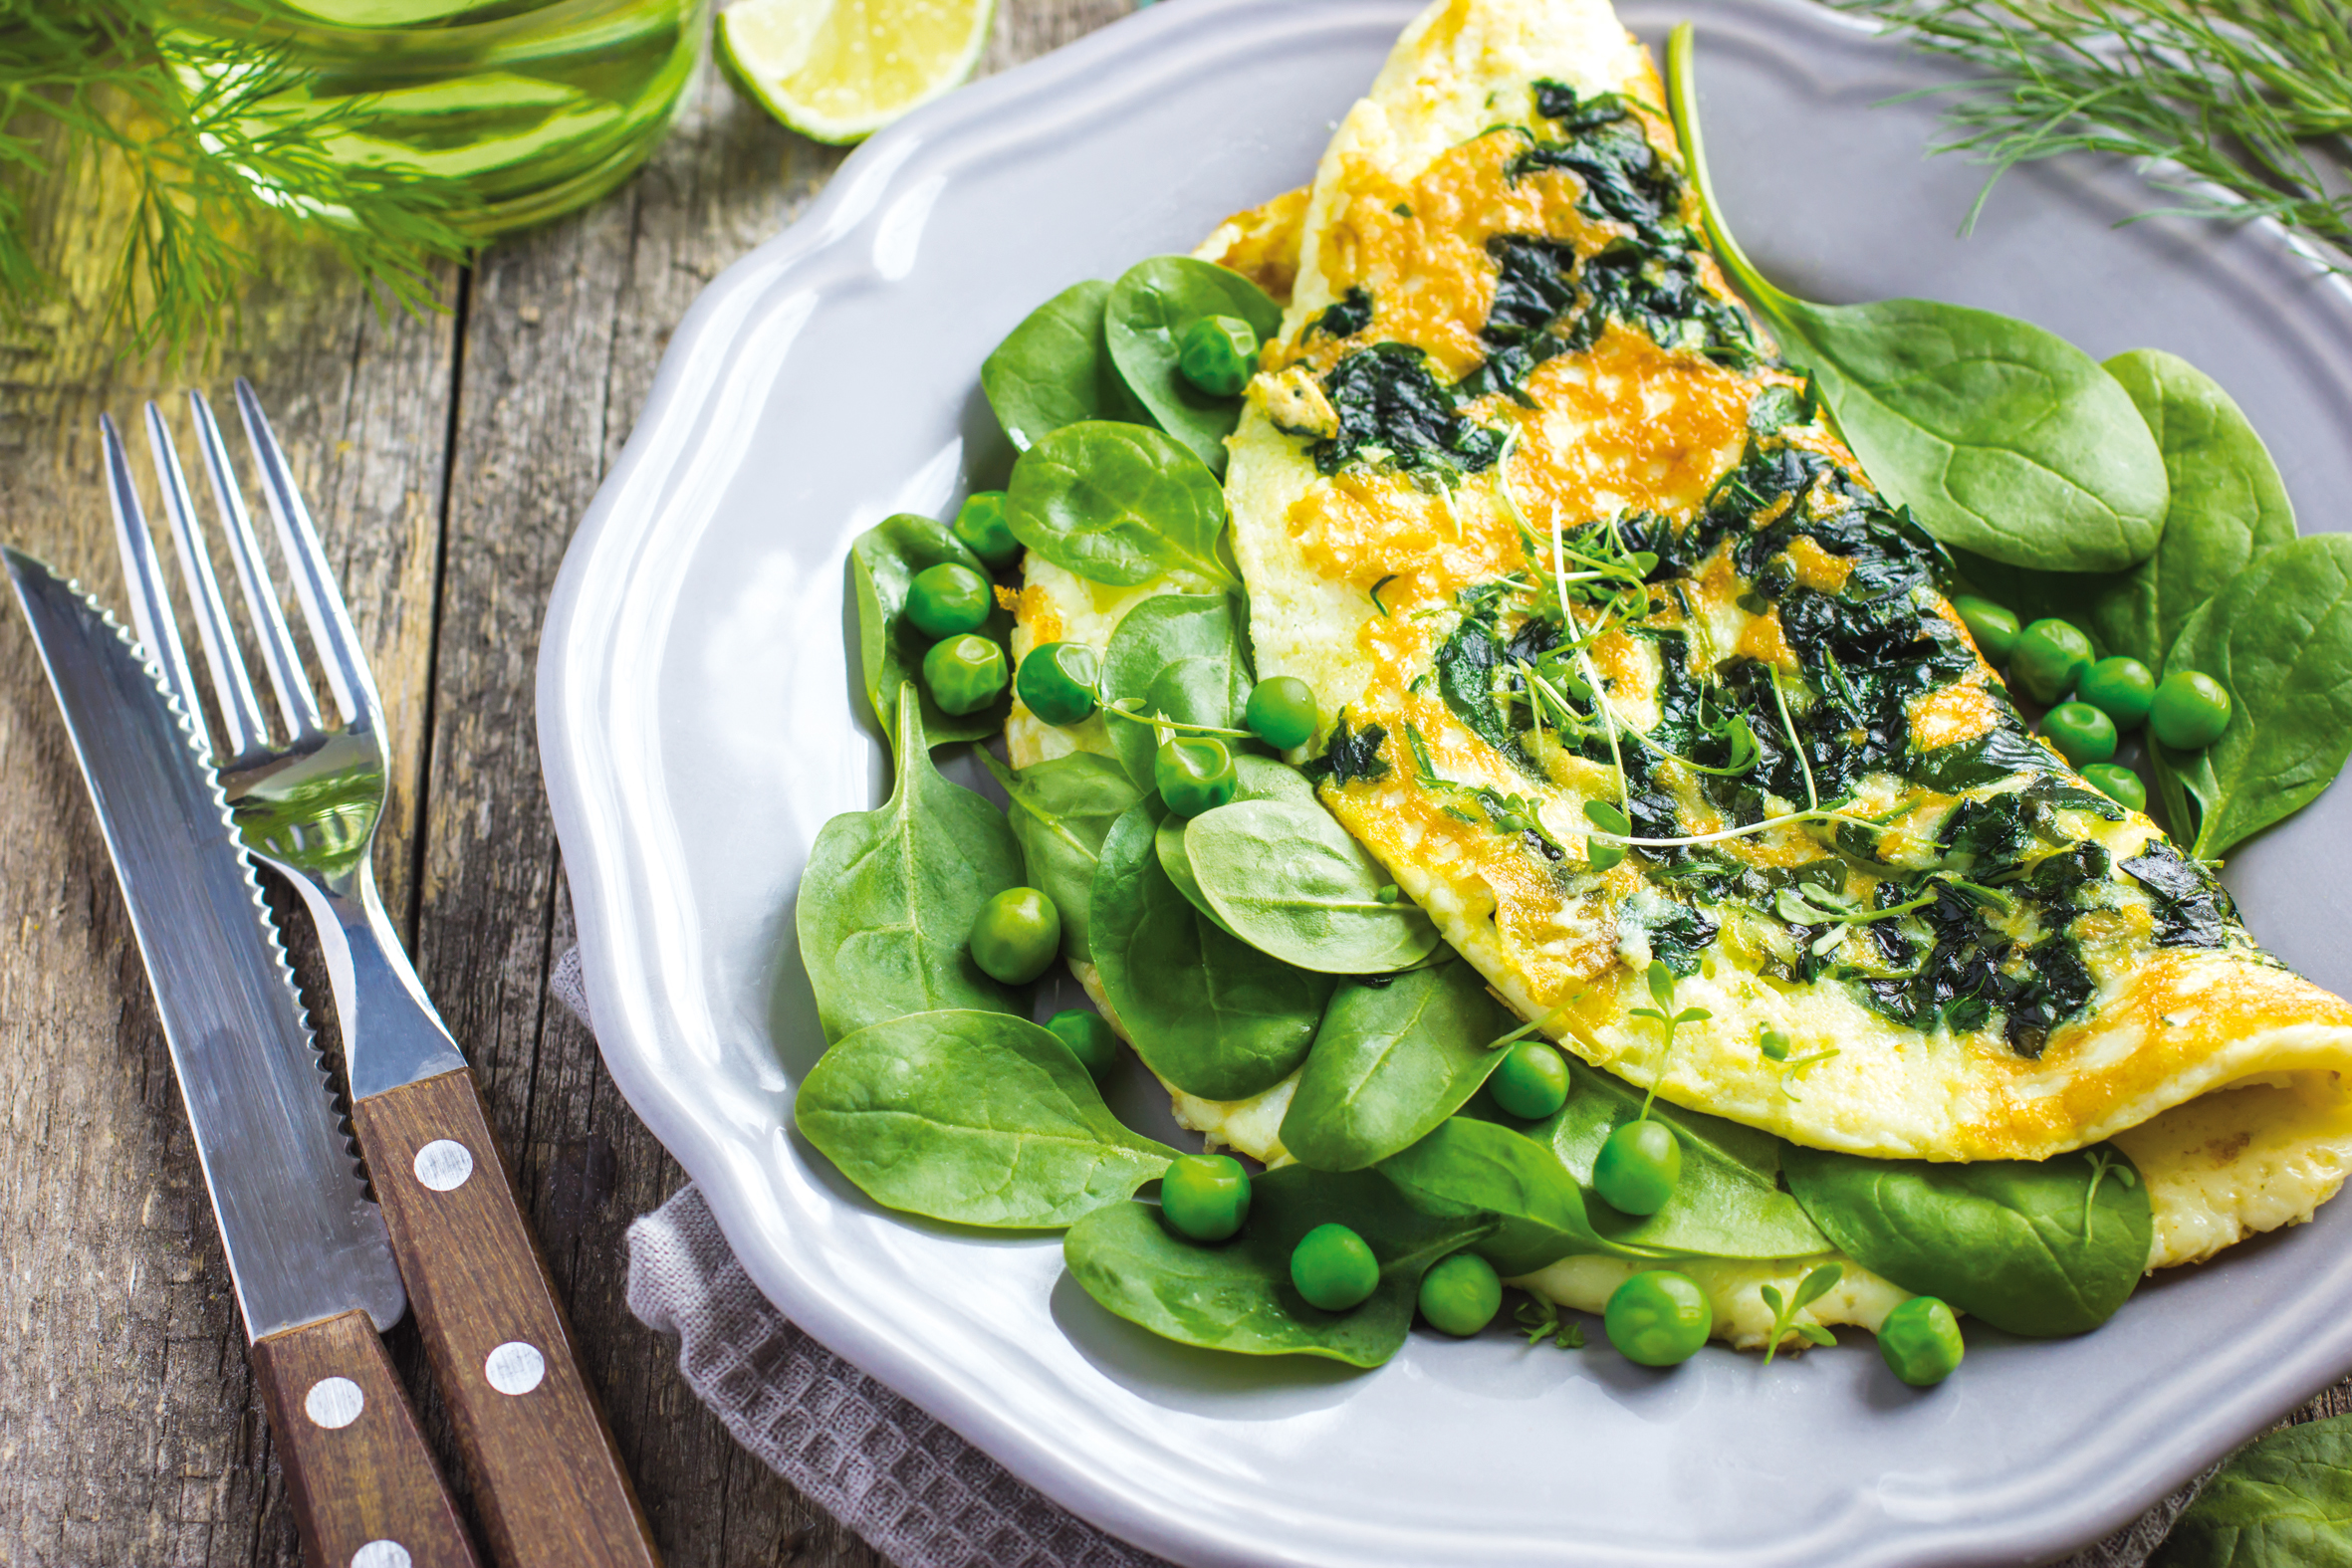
x=307 y=1251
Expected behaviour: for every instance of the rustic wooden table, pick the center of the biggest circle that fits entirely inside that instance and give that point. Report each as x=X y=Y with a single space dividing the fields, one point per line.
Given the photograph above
x=448 y=460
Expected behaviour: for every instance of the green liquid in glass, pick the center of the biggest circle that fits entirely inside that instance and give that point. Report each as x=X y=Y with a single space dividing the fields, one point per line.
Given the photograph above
x=520 y=110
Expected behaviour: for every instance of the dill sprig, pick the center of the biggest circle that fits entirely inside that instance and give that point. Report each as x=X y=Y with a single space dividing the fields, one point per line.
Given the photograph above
x=221 y=174
x=2242 y=106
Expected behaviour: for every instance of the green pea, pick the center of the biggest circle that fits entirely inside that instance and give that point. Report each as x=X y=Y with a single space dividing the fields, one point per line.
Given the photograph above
x=2191 y=710
x=1531 y=1080
x=1194 y=773
x=1333 y=1268
x=1206 y=1197
x=1088 y=1036
x=1016 y=935
x=1921 y=1342
x=1637 y=1167
x=981 y=525
x=1659 y=1318
x=1460 y=1295
x=1282 y=712
x=1219 y=354
x=1993 y=626
x=2118 y=784
x=1057 y=681
x=965 y=673
x=2121 y=688
x=948 y=598
x=1773 y=1045
x=2049 y=658
x=2082 y=732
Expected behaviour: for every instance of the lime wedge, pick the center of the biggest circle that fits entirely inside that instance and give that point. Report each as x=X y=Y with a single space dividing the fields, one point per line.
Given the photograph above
x=840 y=70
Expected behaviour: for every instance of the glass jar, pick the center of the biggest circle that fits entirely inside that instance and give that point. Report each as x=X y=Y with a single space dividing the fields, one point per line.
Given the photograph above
x=519 y=110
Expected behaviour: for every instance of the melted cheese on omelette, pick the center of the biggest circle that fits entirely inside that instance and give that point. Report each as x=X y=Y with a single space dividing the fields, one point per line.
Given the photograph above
x=2126 y=1004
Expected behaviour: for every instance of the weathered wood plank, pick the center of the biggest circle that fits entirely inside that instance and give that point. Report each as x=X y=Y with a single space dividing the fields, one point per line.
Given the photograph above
x=130 y=1429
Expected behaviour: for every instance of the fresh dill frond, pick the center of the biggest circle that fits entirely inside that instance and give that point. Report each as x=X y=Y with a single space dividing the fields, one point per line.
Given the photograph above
x=2250 y=99
x=220 y=173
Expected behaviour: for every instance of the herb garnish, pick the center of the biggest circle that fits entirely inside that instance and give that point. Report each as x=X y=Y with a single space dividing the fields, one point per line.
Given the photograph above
x=1810 y=1289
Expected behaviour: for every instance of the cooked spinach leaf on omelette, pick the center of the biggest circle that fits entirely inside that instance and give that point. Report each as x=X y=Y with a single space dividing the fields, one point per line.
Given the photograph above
x=1641 y=727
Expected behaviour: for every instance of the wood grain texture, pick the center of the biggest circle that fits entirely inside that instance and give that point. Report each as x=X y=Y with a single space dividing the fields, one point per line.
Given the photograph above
x=549 y=1486
x=357 y=1467
x=446 y=461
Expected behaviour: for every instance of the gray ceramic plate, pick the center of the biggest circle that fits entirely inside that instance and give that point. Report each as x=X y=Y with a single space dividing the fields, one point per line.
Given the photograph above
x=697 y=728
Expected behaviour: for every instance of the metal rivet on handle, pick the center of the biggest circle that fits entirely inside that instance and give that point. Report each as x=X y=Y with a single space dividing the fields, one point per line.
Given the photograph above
x=443 y=1165
x=380 y=1554
x=334 y=1403
x=515 y=1367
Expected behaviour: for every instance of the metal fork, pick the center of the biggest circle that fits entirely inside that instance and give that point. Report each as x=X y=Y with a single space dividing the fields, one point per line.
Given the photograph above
x=548 y=1478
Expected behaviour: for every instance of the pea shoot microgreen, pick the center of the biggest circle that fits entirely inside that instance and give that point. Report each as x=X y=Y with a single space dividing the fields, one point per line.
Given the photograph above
x=1509 y=814
x=1539 y=1319
x=1375 y=595
x=1796 y=1069
x=1125 y=708
x=1661 y=981
x=2102 y=1161
x=1810 y=1289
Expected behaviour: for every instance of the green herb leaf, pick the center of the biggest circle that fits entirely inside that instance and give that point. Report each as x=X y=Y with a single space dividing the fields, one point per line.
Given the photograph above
x=1237 y=1295
x=1060 y=811
x=2281 y=1502
x=1149 y=309
x=980 y=1118
x=1202 y=633
x=1055 y=370
x=2279 y=637
x=2004 y=1239
x=1288 y=880
x=886 y=906
x=1390 y=1061
x=1119 y=504
x=882 y=563
x=2003 y=438
x=1207 y=1012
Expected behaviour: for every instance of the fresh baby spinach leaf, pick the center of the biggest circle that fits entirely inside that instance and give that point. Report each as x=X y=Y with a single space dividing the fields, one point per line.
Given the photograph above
x=1728 y=1203
x=1060 y=811
x=1157 y=633
x=890 y=647
x=981 y=1118
x=1150 y=306
x=1119 y=504
x=1204 y=1011
x=2281 y=1502
x=1288 y=880
x=1055 y=370
x=1391 y=1060
x=2229 y=508
x=1255 y=778
x=1237 y=1295
x=1469 y=1165
x=2003 y=439
x=2228 y=505
x=2037 y=1248
x=2279 y=637
x=886 y=905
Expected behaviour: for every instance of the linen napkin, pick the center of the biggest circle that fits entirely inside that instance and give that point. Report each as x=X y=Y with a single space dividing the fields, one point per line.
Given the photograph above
x=908 y=1486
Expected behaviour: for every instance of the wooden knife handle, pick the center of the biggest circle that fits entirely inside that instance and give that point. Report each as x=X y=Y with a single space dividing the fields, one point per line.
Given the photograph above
x=366 y=1492
x=549 y=1486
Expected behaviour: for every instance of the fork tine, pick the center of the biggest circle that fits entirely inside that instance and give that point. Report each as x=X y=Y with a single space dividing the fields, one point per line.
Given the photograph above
x=150 y=601
x=240 y=713
x=278 y=653
x=322 y=601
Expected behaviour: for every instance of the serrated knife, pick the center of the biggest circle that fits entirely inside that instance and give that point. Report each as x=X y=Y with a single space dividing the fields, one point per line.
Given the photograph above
x=308 y=1250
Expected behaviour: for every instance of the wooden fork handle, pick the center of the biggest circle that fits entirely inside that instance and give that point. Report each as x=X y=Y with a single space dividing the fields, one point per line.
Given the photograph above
x=549 y=1484
x=366 y=1493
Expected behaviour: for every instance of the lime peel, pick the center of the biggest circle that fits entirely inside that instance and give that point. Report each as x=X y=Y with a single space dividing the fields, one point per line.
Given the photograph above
x=838 y=70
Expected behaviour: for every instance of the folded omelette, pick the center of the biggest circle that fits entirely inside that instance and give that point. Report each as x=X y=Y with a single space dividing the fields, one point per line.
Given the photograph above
x=1621 y=657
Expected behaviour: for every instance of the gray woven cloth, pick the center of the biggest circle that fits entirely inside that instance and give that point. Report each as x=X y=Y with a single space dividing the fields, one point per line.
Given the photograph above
x=913 y=1490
